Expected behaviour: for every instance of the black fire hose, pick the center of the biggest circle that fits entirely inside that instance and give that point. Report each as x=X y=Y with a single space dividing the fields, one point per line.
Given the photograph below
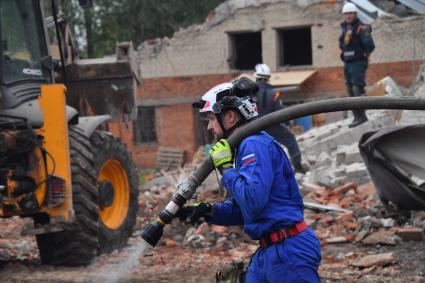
x=153 y=231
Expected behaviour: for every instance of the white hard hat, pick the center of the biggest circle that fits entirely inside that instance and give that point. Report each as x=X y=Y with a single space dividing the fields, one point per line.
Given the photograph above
x=222 y=96
x=262 y=71
x=210 y=97
x=349 y=8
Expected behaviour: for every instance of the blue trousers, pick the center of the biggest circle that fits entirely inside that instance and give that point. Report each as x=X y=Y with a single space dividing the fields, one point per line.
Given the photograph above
x=295 y=260
x=355 y=73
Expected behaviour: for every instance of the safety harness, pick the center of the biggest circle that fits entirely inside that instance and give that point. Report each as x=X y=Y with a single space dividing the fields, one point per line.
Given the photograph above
x=279 y=236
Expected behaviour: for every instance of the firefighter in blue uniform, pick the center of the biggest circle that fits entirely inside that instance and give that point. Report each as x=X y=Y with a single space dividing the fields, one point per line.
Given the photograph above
x=265 y=196
x=356 y=45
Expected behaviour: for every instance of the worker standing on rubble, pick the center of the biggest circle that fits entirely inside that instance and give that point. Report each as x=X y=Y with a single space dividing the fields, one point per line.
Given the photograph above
x=268 y=100
x=356 y=45
x=265 y=196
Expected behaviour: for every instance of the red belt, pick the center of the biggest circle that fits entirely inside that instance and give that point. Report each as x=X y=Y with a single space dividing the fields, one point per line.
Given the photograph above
x=280 y=235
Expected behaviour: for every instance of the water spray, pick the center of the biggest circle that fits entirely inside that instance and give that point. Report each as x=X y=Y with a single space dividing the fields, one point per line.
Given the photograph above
x=152 y=233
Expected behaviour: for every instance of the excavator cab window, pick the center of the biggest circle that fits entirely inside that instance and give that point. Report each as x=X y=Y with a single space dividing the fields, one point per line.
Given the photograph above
x=23 y=45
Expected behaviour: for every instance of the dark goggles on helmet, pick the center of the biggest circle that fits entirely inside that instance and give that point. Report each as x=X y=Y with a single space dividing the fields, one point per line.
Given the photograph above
x=199 y=104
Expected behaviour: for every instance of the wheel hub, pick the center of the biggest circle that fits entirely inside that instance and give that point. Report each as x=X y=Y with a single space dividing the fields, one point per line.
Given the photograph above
x=106 y=194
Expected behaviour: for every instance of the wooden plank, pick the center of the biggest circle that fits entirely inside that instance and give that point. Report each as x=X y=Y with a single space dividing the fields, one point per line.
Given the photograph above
x=290 y=78
x=285 y=78
x=169 y=158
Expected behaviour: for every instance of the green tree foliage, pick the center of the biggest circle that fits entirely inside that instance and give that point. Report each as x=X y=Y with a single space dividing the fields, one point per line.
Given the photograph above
x=109 y=21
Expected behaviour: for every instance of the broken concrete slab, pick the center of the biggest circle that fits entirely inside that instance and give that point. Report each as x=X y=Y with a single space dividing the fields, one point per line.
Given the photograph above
x=383 y=259
x=319 y=207
x=337 y=240
x=381 y=237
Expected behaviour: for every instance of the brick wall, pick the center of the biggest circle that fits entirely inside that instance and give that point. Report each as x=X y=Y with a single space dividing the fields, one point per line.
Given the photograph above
x=175 y=124
x=183 y=86
x=329 y=82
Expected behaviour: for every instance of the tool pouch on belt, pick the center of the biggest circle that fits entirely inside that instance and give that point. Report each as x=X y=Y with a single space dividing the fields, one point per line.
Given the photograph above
x=232 y=273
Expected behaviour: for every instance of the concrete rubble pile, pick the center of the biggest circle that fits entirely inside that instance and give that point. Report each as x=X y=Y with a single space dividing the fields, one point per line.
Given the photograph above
x=355 y=242
x=373 y=232
x=331 y=151
x=13 y=246
x=363 y=242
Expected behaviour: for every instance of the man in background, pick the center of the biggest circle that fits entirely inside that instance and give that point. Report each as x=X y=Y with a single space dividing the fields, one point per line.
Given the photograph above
x=356 y=45
x=269 y=100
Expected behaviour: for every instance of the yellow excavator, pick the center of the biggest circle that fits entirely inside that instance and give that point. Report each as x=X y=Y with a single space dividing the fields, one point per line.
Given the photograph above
x=66 y=172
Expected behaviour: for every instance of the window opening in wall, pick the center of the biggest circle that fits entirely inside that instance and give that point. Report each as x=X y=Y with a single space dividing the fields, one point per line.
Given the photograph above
x=295 y=47
x=144 y=126
x=246 y=50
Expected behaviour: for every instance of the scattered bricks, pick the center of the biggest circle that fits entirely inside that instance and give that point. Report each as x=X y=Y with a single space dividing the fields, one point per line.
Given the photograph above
x=383 y=259
x=361 y=235
x=313 y=187
x=410 y=234
x=169 y=242
x=219 y=229
x=321 y=191
x=381 y=237
x=351 y=225
x=342 y=190
x=369 y=269
x=202 y=229
x=337 y=240
x=345 y=216
x=345 y=203
x=365 y=190
x=327 y=219
x=351 y=237
x=323 y=234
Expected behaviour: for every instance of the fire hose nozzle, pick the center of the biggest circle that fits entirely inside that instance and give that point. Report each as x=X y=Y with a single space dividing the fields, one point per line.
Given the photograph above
x=152 y=233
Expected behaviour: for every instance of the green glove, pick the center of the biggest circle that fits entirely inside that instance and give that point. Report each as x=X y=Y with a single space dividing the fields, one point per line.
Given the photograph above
x=221 y=155
x=192 y=213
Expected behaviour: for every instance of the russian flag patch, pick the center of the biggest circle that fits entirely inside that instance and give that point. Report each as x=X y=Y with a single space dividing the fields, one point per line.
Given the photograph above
x=248 y=159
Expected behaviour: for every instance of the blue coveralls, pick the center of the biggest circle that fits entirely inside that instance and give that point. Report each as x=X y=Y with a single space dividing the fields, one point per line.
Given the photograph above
x=268 y=103
x=265 y=198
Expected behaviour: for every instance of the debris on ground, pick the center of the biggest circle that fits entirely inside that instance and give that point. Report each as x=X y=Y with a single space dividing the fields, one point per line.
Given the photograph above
x=362 y=241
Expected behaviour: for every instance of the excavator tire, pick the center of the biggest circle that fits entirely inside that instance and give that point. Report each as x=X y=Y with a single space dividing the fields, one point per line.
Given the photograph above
x=118 y=191
x=77 y=246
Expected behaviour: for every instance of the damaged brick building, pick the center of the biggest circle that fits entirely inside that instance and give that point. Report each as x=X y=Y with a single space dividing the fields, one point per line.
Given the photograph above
x=297 y=39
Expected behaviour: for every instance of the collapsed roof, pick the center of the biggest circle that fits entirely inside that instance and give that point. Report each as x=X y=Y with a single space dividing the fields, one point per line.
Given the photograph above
x=369 y=10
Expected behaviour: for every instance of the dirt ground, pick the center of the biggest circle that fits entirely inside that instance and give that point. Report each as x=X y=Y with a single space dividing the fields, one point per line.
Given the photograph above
x=188 y=254
x=166 y=265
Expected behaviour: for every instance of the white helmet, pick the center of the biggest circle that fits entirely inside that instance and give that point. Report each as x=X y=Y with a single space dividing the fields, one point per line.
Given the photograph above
x=349 y=8
x=222 y=96
x=210 y=97
x=262 y=71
